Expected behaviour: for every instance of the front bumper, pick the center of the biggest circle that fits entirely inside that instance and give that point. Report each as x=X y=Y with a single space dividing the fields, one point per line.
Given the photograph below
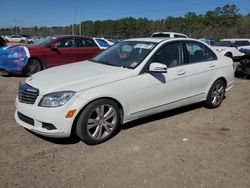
x=11 y=71
x=33 y=117
x=12 y=65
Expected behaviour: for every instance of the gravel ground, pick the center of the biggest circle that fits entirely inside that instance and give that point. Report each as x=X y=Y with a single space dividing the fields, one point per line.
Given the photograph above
x=188 y=147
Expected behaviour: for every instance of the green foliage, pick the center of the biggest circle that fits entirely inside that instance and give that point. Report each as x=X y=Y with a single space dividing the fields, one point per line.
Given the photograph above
x=223 y=22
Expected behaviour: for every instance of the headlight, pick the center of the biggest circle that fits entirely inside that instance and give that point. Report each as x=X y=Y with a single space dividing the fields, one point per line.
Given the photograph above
x=56 y=99
x=220 y=49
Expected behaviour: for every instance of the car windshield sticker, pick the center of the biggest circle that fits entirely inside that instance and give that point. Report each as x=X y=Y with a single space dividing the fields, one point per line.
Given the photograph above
x=126 y=49
x=134 y=64
x=144 y=46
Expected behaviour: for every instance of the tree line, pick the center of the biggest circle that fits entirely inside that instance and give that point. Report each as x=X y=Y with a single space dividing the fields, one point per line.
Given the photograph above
x=222 y=22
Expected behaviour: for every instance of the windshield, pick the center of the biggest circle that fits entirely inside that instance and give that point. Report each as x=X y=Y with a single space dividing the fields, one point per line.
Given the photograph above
x=127 y=54
x=45 y=41
x=223 y=43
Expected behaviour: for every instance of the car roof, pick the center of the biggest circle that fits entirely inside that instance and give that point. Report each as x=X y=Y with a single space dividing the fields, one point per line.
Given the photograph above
x=149 y=39
x=66 y=36
x=158 y=40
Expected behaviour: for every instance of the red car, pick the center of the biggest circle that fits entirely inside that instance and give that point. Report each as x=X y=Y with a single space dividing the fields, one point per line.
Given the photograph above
x=50 y=52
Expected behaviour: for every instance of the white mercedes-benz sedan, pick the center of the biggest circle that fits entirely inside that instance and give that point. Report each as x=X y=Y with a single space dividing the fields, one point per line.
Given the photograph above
x=130 y=80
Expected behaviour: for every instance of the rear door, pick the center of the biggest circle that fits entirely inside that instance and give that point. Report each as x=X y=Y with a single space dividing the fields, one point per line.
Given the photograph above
x=86 y=48
x=201 y=66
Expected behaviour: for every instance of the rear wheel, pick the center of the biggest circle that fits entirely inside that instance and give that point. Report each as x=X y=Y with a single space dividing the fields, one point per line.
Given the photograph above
x=98 y=122
x=216 y=94
x=33 y=66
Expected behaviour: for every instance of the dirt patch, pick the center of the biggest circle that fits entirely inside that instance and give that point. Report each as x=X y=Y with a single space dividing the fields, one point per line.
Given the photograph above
x=188 y=147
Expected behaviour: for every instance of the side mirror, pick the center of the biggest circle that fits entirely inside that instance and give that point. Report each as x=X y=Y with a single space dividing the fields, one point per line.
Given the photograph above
x=157 y=67
x=53 y=47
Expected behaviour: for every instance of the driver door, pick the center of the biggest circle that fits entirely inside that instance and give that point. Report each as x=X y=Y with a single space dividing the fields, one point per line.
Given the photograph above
x=158 y=90
x=65 y=52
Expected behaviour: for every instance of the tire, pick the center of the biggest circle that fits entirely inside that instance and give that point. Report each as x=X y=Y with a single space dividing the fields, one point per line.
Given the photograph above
x=93 y=127
x=216 y=94
x=238 y=72
x=33 y=66
x=229 y=55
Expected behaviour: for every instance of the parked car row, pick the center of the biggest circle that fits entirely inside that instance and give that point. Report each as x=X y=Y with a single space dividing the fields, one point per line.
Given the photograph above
x=16 y=39
x=41 y=54
x=49 y=52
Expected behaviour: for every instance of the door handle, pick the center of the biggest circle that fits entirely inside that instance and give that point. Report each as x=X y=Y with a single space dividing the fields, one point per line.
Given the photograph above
x=211 y=65
x=181 y=72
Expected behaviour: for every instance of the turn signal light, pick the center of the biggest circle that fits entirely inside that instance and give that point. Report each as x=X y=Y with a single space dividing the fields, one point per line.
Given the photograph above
x=70 y=113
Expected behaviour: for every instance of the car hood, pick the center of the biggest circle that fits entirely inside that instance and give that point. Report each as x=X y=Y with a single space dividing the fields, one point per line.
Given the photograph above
x=76 y=77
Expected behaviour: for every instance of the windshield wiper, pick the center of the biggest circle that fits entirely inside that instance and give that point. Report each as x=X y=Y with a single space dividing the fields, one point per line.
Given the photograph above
x=111 y=64
x=123 y=66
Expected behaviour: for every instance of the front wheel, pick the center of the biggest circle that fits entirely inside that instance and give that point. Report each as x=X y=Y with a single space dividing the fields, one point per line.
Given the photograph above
x=98 y=122
x=33 y=66
x=216 y=94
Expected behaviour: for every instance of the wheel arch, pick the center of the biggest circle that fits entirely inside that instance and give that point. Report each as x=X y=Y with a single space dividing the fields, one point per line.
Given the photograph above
x=229 y=54
x=24 y=70
x=34 y=57
x=214 y=80
x=121 y=109
x=223 y=79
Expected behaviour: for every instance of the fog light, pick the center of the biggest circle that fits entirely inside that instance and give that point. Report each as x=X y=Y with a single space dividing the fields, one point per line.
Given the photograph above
x=70 y=113
x=48 y=126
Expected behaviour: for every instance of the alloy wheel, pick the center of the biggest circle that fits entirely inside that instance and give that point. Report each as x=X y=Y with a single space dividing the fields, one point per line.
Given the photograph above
x=217 y=94
x=102 y=121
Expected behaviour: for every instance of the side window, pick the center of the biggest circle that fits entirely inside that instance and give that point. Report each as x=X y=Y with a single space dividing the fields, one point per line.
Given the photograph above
x=198 y=52
x=65 y=43
x=102 y=43
x=171 y=55
x=85 y=42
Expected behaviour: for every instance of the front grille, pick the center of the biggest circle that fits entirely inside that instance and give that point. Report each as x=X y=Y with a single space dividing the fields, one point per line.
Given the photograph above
x=25 y=118
x=27 y=94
